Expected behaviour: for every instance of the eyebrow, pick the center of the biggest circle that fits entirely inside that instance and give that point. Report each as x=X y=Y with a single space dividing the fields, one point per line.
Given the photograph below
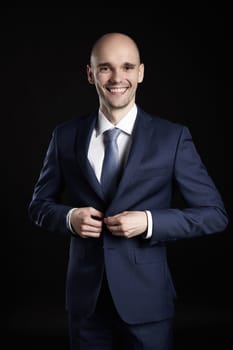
x=104 y=64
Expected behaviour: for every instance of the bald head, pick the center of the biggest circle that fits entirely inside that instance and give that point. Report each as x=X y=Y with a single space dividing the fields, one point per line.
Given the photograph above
x=113 y=42
x=115 y=70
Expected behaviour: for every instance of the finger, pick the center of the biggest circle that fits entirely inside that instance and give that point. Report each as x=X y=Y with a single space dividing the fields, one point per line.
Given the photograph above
x=125 y=234
x=114 y=228
x=96 y=213
x=90 y=234
x=112 y=220
x=94 y=222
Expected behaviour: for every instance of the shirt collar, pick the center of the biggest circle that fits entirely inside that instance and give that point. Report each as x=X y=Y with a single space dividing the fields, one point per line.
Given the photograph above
x=126 y=124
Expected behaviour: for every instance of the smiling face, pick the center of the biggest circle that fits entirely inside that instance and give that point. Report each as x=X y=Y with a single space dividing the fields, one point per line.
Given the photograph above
x=115 y=69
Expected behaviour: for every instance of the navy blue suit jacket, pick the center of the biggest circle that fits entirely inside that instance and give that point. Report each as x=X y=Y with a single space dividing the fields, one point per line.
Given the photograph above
x=162 y=153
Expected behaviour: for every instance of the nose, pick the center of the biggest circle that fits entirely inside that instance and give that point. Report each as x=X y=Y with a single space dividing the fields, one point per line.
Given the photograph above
x=116 y=76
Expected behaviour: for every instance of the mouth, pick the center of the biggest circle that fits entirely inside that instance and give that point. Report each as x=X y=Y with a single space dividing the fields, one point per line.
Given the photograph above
x=117 y=91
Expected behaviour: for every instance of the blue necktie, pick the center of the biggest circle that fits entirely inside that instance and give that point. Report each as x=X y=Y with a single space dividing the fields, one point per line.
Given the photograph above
x=110 y=168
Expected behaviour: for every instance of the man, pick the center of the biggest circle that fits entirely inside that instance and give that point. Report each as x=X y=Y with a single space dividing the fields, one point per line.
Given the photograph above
x=118 y=279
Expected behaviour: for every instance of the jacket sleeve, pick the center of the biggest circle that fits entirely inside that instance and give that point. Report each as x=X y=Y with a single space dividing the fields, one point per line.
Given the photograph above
x=204 y=212
x=45 y=209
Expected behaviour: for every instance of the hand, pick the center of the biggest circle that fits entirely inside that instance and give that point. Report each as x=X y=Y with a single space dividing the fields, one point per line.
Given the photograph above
x=87 y=222
x=127 y=224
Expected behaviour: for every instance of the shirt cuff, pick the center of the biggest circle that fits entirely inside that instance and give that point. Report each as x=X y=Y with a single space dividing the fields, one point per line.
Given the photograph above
x=68 y=223
x=149 y=225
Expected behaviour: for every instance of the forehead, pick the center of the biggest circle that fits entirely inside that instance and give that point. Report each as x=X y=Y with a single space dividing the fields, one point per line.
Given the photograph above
x=115 y=50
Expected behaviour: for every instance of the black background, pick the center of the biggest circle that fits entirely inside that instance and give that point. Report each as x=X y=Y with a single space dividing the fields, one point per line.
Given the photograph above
x=187 y=56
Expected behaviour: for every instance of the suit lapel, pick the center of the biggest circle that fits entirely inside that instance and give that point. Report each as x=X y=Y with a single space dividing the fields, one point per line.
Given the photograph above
x=83 y=139
x=142 y=134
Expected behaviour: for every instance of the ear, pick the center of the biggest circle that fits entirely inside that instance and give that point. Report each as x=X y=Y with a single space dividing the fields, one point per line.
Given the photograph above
x=141 y=73
x=90 y=74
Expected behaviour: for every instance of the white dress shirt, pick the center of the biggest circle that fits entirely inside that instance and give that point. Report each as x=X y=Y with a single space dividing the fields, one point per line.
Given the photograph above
x=96 y=149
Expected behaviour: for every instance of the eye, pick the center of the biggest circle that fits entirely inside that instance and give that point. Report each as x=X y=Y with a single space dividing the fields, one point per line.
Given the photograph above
x=104 y=69
x=128 y=67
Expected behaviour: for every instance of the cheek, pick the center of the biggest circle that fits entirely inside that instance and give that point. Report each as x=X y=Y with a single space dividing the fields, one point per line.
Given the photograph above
x=99 y=84
x=101 y=79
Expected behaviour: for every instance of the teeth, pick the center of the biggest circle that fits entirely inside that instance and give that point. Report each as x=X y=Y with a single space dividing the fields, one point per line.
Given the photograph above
x=118 y=90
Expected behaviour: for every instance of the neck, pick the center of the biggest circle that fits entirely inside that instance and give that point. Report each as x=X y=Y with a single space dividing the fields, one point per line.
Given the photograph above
x=114 y=115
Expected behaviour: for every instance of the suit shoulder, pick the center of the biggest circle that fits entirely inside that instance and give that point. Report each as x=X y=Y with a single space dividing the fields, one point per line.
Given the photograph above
x=73 y=124
x=164 y=123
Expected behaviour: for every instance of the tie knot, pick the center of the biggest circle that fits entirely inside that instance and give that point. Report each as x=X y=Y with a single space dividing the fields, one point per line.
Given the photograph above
x=111 y=134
